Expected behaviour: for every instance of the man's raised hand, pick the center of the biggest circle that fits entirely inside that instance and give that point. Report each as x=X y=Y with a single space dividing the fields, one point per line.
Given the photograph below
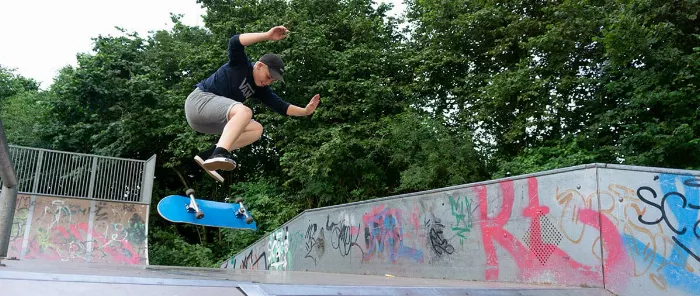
x=311 y=107
x=277 y=33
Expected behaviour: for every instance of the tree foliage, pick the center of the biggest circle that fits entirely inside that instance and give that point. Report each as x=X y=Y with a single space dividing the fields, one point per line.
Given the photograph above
x=22 y=108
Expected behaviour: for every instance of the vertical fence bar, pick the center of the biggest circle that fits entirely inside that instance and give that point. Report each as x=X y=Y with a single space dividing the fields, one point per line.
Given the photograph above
x=76 y=166
x=147 y=179
x=125 y=178
x=108 y=177
x=87 y=169
x=93 y=173
x=55 y=173
x=60 y=168
x=83 y=183
x=129 y=188
x=77 y=176
x=48 y=173
x=31 y=159
x=8 y=195
x=70 y=175
x=104 y=174
x=18 y=155
x=119 y=188
x=109 y=169
x=37 y=172
x=135 y=178
x=44 y=183
x=60 y=176
x=138 y=176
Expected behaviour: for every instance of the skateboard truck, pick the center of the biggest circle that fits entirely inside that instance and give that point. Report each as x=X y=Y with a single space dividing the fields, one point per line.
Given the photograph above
x=193 y=207
x=241 y=210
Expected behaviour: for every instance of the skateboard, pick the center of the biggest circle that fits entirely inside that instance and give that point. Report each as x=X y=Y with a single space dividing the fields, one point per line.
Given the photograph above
x=188 y=209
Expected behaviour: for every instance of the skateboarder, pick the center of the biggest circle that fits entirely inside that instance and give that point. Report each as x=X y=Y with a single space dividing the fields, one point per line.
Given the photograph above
x=216 y=104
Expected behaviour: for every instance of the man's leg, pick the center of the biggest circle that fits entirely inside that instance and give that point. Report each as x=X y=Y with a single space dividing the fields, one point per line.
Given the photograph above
x=209 y=114
x=240 y=131
x=252 y=132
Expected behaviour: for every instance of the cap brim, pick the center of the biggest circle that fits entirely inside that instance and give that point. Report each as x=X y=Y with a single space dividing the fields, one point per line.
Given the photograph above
x=276 y=75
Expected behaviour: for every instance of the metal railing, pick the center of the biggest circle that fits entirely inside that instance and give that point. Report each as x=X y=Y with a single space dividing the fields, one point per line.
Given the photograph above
x=77 y=175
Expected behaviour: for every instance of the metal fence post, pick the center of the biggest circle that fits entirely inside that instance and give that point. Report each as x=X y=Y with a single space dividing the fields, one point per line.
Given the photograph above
x=8 y=196
x=147 y=181
x=93 y=175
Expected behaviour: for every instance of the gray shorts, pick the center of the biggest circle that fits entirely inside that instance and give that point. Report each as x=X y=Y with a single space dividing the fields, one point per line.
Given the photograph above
x=206 y=112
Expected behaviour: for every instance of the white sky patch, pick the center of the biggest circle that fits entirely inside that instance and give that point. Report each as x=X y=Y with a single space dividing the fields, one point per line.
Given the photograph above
x=39 y=37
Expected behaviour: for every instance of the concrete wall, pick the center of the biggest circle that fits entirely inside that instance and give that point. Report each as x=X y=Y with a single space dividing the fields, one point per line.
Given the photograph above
x=64 y=229
x=631 y=230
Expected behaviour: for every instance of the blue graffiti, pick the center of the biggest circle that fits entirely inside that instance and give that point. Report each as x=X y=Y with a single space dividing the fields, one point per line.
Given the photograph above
x=384 y=229
x=683 y=206
x=674 y=275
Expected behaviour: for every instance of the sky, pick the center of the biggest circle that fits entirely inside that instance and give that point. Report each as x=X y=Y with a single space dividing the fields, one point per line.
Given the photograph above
x=39 y=37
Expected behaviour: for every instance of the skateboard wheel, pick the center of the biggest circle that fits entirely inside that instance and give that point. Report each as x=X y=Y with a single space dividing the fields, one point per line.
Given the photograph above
x=200 y=215
x=249 y=220
x=189 y=191
x=238 y=199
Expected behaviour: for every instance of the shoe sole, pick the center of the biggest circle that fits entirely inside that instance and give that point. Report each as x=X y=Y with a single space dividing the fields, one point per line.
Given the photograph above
x=219 y=163
x=213 y=174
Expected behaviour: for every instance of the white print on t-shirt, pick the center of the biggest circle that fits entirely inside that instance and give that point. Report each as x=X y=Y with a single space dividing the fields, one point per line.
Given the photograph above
x=246 y=89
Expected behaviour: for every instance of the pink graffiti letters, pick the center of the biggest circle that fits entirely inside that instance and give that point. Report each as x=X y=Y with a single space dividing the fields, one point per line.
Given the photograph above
x=530 y=260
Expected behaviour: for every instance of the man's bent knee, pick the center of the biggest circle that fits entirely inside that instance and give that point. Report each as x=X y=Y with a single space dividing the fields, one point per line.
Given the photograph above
x=256 y=128
x=240 y=110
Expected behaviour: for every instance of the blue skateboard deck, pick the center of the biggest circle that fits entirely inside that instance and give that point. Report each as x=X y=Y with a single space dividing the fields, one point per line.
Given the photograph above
x=216 y=214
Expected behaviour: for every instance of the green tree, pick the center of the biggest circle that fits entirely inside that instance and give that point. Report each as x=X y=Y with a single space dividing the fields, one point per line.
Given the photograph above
x=12 y=84
x=603 y=81
x=22 y=108
x=651 y=79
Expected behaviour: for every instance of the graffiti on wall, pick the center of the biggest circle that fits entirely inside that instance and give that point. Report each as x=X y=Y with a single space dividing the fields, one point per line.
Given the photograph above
x=438 y=243
x=61 y=229
x=608 y=235
x=250 y=260
x=278 y=248
x=119 y=229
x=640 y=216
x=541 y=251
x=383 y=235
x=663 y=248
x=461 y=208
x=19 y=225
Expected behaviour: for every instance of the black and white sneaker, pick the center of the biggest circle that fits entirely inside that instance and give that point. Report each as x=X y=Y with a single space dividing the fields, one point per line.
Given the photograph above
x=220 y=159
x=199 y=159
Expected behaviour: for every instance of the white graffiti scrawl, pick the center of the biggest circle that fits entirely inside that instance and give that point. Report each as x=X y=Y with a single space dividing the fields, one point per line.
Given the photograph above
x=278 y=248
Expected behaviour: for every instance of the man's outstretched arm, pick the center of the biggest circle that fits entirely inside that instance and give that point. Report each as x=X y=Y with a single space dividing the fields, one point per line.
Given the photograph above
x=275 y=33
x=308 y=110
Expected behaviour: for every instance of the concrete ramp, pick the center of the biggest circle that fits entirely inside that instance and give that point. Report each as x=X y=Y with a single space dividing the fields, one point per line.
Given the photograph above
x=29 y=278
x=628 y=230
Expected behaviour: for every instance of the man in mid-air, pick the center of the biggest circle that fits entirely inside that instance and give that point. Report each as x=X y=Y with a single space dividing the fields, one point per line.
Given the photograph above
x=216 y=104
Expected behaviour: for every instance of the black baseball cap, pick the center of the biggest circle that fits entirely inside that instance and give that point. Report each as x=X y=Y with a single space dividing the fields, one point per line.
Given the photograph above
x=274 y=64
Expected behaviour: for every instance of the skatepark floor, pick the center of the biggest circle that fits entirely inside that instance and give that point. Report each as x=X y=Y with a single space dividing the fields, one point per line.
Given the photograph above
x=29 y=277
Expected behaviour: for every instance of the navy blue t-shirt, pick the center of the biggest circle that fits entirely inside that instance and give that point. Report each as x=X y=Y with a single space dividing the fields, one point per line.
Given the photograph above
x=235 y=80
